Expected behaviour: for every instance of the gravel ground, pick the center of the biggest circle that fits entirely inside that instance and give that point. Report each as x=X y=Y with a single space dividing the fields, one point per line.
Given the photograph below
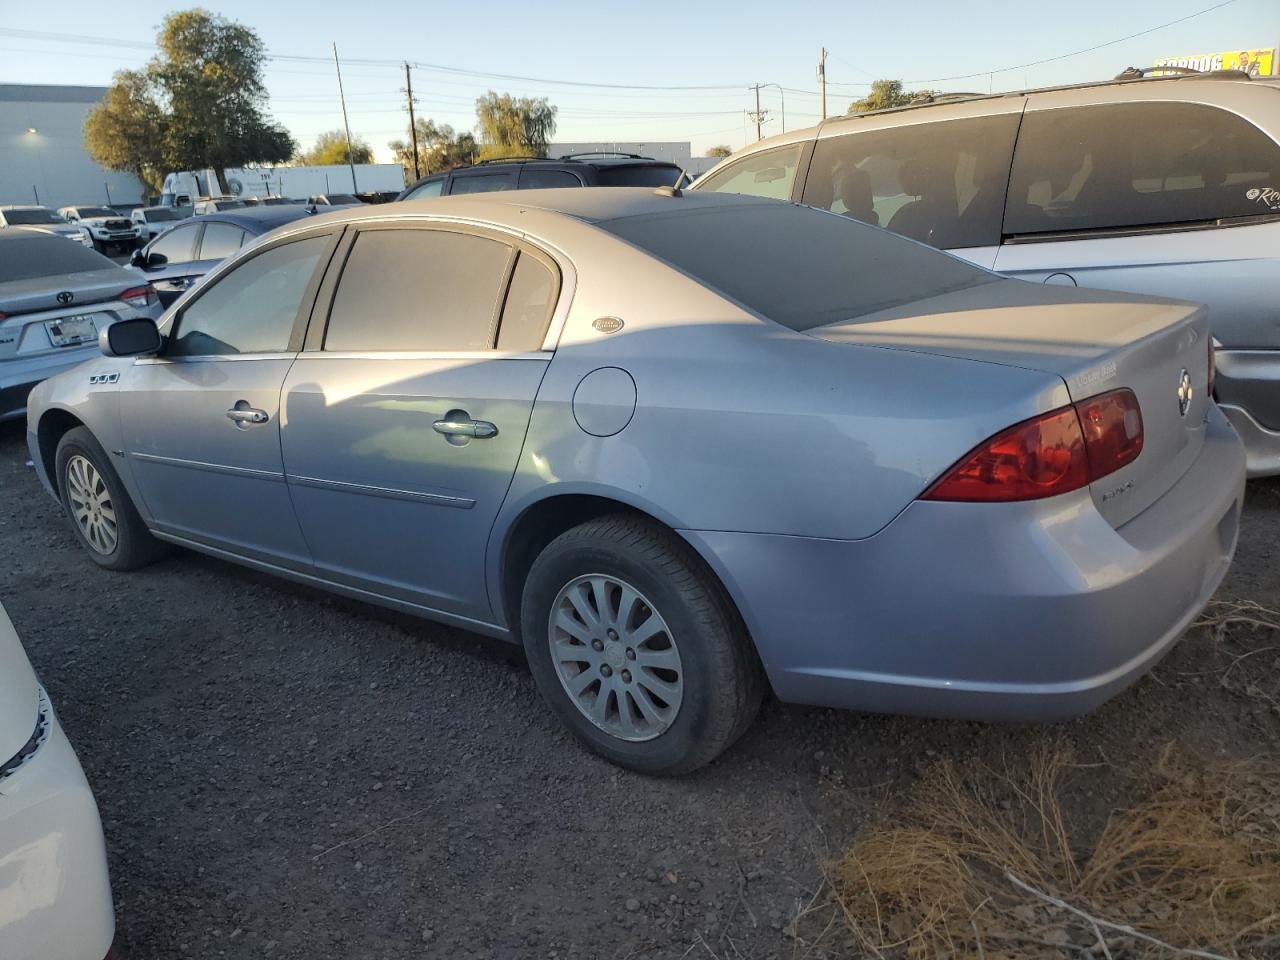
x=286 y=774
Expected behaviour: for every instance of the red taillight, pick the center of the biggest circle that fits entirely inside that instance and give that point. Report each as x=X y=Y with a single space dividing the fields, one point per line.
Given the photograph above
x=1056 y=452
x=139 y=296
x=1212 y=360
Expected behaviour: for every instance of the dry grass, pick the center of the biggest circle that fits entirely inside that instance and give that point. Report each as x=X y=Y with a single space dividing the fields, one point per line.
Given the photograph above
x=1247 y=638
x=983 y=864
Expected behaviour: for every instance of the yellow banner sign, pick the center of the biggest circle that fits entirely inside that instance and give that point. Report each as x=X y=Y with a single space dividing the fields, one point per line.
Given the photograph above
x=1256 y=63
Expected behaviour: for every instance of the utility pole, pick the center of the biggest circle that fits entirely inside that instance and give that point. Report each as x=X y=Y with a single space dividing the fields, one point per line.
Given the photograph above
x=822 y=80
x=758 y=117
x=413 y=127
x=347 y=126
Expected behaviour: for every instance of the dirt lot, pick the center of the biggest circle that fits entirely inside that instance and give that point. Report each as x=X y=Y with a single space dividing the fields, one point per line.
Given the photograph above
x=286 y=774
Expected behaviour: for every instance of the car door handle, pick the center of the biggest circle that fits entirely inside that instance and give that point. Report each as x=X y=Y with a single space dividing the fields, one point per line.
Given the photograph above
x=477 y=429
x=242 y=415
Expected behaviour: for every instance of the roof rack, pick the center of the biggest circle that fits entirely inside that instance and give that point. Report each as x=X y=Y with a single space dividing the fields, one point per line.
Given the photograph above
x=604 y=153
x=481 y=163
x=1137 y=73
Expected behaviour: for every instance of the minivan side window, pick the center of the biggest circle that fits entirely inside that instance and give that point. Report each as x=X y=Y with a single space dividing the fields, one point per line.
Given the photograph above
x=770 y=173
x=942 y=183
x=411 y=289
x=251 y=308
x=1138 y=165
x=537 y=179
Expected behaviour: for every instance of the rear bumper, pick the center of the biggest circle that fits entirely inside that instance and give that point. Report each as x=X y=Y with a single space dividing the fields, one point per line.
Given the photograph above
x=55 y=896
x=1248 y=388
x=1022 y=611
x=19 y=374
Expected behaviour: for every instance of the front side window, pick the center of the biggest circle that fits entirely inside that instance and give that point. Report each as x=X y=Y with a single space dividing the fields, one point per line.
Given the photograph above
x=418 y=290
x=220 y=241
x=176 y=246
x=252 y=308
x=1135 y=165
x=538 y=179
x=941 y=183
x=770 y=173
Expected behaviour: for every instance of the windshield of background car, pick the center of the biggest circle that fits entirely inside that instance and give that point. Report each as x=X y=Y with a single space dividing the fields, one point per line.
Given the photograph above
x=90 y=212
x=46 y=256
x=801 y=267
x=26 y=217
x=156 y=216
x=648 y=175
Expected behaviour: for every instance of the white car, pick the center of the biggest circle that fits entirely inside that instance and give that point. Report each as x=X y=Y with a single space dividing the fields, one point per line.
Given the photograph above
x=153 y=221
x=106 y=227
x=42 y=218
x=55 y=897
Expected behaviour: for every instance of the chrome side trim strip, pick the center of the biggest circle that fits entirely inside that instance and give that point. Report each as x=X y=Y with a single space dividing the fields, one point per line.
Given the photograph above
x=210 y=467
x=356 y=593
x=463 y=503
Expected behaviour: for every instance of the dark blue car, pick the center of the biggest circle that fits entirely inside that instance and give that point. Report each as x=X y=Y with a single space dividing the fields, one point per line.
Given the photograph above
x=179 y=257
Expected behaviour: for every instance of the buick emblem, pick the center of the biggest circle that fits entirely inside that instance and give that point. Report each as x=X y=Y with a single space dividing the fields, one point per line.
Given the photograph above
x=66 y=296
x=1185 y=393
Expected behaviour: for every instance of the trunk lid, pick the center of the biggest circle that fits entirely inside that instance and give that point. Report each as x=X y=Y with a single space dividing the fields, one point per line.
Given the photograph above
x=42 y=293
x=19 y=696
x=1095 y=341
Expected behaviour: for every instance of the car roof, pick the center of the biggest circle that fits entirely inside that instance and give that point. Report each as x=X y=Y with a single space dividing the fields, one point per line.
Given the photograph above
x=257 y=219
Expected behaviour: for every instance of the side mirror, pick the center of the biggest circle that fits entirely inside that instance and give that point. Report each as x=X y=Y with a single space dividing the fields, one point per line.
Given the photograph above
x=130 y=338
x=138 y=258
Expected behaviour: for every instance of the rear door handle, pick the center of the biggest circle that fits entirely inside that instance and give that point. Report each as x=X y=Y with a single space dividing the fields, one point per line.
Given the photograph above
x=242 y=415
x=458 y=427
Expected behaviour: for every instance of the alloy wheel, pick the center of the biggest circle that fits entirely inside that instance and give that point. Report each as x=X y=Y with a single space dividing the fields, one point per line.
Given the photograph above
x=91 y=505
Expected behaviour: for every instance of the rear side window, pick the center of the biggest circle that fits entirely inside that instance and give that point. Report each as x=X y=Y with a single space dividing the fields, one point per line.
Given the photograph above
x=220 y=241
x=645 y=175
x=252 y=308
x=45 y=255
x=1133 y=165
x=176 y=246
x=802 y=267
x=418 y=290
x=432 y=188
x=527 y=310
x=770 y=173
x=483 y=184
x=941 y=183
x=538 y=179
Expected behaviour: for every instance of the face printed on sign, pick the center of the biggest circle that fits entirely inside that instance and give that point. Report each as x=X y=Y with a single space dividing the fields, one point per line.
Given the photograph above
x=1268 y=197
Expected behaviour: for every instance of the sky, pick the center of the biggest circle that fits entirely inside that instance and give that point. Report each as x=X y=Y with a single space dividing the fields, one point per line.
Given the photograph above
x=634 y=72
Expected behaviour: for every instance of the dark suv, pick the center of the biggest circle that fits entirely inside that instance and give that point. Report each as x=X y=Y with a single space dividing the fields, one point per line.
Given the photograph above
x=532 y=173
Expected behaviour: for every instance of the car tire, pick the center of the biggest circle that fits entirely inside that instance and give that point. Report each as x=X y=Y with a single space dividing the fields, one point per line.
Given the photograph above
x=717 y=683
x=101 y=513
x=99 y=246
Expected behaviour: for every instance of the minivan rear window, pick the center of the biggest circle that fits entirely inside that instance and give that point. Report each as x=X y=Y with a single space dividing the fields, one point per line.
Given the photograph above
x=801 y=267
x=646 y=175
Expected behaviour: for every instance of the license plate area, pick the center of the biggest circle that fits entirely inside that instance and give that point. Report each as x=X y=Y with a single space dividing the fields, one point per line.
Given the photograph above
x=71 y=331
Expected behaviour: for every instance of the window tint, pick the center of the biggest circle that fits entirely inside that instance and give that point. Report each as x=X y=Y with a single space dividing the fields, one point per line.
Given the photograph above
x=767 y=174
x=1138 y=164
x=645 y=175
x=941 y=183
x=432 y=188
x=799 y=266
x=530 y=300
x=537 y=179
x=176 y=246
x=34 y=215
x=45 y=255
x=88 y=212
x=157 y=216
x=483 y=184
x=418 y=290
x=252 y=308
x=220 y=240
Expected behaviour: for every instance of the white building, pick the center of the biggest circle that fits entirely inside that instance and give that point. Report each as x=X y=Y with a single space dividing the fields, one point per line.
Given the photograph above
x=42 y=154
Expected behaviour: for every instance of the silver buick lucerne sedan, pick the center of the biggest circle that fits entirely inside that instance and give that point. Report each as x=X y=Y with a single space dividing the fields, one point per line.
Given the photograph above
x=684 y=447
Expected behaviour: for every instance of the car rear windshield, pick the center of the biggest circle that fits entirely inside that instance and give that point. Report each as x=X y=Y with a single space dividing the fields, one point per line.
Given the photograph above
x=23 y=217
x=46 y=256
x=646 y=175
x=801 y=267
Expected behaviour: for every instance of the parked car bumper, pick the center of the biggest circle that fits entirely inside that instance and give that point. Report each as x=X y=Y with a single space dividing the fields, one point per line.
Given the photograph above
x=1014 y=611
x=55 y=895
x=20 y=373
x=1248 y=388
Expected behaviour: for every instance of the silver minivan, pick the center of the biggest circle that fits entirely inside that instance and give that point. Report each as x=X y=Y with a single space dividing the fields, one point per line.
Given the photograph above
x=1164 y=185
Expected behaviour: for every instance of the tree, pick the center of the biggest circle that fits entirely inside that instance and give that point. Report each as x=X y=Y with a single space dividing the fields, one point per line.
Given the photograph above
x=331 y=147
x=125 y=131
x=514 y=127
x=199 y=103
x=721 y=150
x=888 y=93
x=439 y=148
